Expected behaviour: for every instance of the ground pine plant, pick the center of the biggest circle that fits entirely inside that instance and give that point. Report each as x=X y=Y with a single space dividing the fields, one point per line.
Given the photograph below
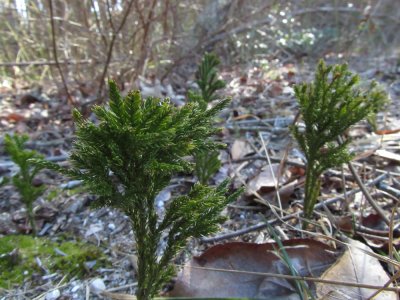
x=130 y=156
x=207 y=80
x=329 y=106
x=23 y=180
x=207 y=163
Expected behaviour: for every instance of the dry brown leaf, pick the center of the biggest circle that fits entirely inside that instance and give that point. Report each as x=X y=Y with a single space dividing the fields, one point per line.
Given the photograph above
x=309 y=258
x=376 y=228
x=297 y=171
x=264 y=182
x=358 y=267
x=118 y=296
x=28 y=99
x=14 y=117
x=374 y=221
x=240 y=148
x=275 y=89
x=384 y=132
x=285 y=192
x=344 y=223
x=388 y=155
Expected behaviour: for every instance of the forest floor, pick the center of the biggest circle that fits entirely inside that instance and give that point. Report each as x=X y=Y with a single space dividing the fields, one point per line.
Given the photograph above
x=262 y=109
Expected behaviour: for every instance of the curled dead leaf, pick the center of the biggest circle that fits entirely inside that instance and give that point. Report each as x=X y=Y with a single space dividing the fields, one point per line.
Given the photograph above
x=240 y=148
x=264 y=182
x=355 y=266
x=14 y=117
x=244 y=269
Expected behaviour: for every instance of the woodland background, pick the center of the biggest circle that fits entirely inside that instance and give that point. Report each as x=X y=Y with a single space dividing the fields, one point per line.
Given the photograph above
x=94 y=40
x=56 y=55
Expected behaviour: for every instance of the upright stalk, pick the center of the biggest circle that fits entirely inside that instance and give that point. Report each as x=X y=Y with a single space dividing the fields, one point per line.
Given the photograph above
x=130 y=155
x=23 y=180
x=311 y=191
x=329 y=106
x=31 y=217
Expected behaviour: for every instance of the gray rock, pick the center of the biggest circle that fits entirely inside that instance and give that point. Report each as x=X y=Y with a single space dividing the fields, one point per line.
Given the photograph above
x=97 y=286
x=7 y=226
x=53 y=295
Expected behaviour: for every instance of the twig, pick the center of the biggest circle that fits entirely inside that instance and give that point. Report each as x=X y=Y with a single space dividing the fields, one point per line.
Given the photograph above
x=87 y=293
x=272 y=173
x=288 y=217
x=45 y=144
x=341 y=9
x=312 y=279
x=375 y=232
x=391 y=227
x=373 y=168
x=246 y=207
x=111 y=47
x=110 y=20
x=103 y=37
x=59 y=285
x=50 y=63
x=390 y=190
x=53 y=35
x=367 y=195
x=146 y=27
x=394 y=278
x=122 y=287
x=10 y=164
x=273 y=159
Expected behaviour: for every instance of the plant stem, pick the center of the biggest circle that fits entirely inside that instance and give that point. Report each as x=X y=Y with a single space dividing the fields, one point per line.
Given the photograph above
x=312 y=185
x=31 y=217
x=146 y=235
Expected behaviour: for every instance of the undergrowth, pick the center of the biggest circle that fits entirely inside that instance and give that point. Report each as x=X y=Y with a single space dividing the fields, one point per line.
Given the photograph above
x=23 y=180
x=329 y=106
x=20 y=255
x=207 y=163
x=130 y=155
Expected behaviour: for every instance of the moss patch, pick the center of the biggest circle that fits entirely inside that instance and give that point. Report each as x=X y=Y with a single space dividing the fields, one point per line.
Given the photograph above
x=64 y=257
x=56 y=192
x=52 y=194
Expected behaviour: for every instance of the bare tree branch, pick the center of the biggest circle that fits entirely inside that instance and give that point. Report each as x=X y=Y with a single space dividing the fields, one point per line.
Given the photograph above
x=53 y=35
x=49 y=63
x=103 y=37
x=110 y=48
x=144 y=50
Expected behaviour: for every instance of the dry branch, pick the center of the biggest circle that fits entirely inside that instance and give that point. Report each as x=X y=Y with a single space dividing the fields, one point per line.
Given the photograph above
x=111 y=47
x=53 y=35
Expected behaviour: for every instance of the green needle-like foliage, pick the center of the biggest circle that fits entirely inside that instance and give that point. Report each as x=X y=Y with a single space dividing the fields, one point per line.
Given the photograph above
x=207 y=162
x=23 y=180
x=329 y=106
x=207 y=80
x=3 y=181
x=130 y=156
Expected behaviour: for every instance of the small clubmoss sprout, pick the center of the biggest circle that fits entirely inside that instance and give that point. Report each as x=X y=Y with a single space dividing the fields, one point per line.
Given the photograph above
x=23 y=180
x=207 y=80
x=130 y=155
x=207 y=163
x=329 y=106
